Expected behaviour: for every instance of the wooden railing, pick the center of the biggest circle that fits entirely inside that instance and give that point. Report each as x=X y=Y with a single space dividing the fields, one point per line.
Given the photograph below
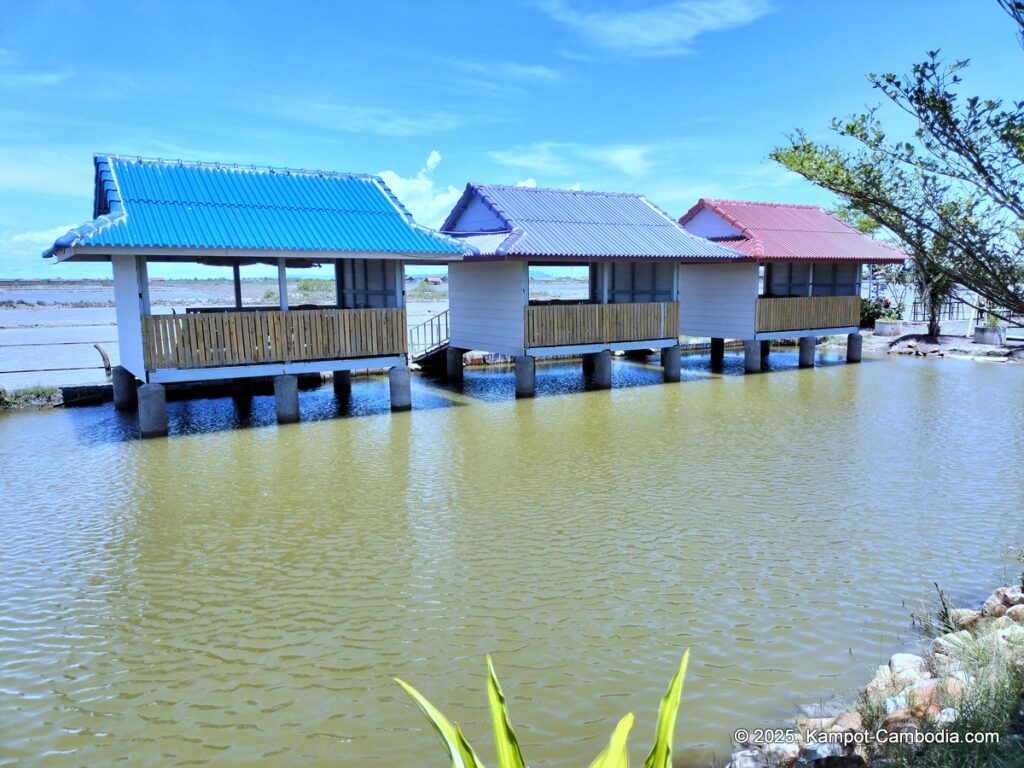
x=209 y=340
x=798 y=314
x=564 y=324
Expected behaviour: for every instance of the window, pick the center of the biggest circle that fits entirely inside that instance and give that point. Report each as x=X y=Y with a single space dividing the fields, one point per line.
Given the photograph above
x=788 y=279
x=836 y=279
x=644 y=281
x=367 y=283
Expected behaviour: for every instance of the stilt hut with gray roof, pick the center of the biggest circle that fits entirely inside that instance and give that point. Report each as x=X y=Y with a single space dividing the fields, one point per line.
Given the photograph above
x=632 y=251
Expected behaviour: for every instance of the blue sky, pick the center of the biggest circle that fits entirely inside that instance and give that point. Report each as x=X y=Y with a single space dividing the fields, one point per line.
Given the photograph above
x=677 y=100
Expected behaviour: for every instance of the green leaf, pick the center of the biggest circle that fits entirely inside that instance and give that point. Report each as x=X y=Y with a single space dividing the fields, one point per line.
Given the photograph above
x=505 y=741
x=661 y=754
x=616 y=754
x=459 y=750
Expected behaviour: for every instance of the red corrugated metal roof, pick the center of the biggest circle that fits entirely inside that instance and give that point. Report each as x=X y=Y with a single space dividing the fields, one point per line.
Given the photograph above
x=787 y=232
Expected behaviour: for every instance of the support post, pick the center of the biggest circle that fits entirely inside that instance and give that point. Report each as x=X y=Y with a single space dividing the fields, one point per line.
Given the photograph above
x=236 y=274
x=588 y=364
x=125 y=394
x=603 y=369
x=153 y=410
x=342 y=382
x=526 y=376
x=282 y=284
x=752 y=356
x=807 y=345
x=717 y=353
x=453 y=363
x=241 y=389
x=286 y=398
x=400 y=384
x=671 y=362
x=766 y=347
x=854 y=347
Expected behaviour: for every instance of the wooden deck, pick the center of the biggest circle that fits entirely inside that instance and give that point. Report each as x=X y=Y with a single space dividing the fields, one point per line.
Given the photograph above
x=222 y=339
x=800 y=314
x=573 y=324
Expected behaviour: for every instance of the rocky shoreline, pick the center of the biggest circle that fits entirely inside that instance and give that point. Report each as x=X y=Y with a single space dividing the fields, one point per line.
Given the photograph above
x=911 y=700
x=919 y=345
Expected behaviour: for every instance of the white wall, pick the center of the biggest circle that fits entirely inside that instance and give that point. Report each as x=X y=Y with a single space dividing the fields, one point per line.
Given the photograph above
x=479 y=217
x=486 y=301
x=718 y=300
x=708 y=224
x=128 y=307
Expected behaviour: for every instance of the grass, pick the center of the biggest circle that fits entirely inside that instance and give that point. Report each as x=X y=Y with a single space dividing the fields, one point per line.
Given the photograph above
x=28 y=397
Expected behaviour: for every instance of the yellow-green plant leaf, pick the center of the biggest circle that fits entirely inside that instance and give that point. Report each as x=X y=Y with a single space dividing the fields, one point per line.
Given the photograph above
x=505 y=741
x=661 y=754
x=459 y=750
x=616 y=754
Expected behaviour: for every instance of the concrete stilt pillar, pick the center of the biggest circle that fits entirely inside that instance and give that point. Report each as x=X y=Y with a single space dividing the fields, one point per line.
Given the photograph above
x=453 y=363
x=588 y=364
x=286 y=398
x=400 y=383
x=152 y=410
x=854 y=347
x=342 y=382
x=717 y=352
x=752 y=356
x=603 y=369
x=807 y=345
x=766 y=347
x=526 y=376
x=241 y=389
x=670 y=362
x=125 y=394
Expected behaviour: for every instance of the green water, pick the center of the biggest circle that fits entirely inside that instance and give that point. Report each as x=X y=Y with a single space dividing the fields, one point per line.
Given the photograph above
x=242 y=594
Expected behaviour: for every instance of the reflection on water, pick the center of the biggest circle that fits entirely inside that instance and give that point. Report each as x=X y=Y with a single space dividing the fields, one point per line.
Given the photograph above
x=244 y=596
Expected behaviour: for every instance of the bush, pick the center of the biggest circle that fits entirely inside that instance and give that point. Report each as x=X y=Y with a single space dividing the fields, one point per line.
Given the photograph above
x=878 y=309
x=422 y=290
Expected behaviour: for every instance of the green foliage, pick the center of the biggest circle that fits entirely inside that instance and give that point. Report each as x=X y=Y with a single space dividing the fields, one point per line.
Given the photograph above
x=312 y=287
x=422 y=290
x=270 y=295
x=953 y=195
x=615 y=755
x=879 y=309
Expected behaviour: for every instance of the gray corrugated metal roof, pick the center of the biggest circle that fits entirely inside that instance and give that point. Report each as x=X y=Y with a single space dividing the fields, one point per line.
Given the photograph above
x=159 y=204
x=568 y=224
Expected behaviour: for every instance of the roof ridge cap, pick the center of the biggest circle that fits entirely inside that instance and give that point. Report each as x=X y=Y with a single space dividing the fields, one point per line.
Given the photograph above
x=214 y=165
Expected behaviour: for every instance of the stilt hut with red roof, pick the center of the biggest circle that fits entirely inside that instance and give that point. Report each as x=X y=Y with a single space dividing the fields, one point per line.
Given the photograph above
x=800 y=278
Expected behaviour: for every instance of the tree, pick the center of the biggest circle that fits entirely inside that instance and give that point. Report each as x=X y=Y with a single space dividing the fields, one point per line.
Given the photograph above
x=954 y=196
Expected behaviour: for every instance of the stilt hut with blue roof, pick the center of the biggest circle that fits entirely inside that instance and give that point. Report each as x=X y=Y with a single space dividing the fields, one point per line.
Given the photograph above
x=149 y=211
x=632 y=250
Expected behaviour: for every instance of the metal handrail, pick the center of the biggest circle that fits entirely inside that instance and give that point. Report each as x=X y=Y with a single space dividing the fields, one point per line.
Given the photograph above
x=429 y=336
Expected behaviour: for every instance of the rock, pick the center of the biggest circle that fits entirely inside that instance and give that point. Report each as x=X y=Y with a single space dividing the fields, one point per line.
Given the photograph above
x=947 y=716
x=898 y=721
x=935 y=691
x=847 y=722
x=1000 y=622
x=1011 y=639
x=962 y=618
x=893 y=703
x=993 y=606
x=952 y=644
x=1016 y=613
x=782 y=754
x=1010 y=596
x=813 y=753
x=814 y=724
x=748 y=758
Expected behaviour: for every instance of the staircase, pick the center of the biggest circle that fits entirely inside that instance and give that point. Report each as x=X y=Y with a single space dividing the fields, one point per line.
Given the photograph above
x=429 y=339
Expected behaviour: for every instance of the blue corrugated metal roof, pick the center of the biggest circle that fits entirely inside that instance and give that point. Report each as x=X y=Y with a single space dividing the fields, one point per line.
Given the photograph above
x=158 y=204
x=566 y=223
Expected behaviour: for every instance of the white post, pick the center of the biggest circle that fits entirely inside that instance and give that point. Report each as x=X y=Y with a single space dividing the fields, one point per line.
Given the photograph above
x=605 y=270
x=143 y=272
x=400 y=284
x=282 y=284
x=236 y=273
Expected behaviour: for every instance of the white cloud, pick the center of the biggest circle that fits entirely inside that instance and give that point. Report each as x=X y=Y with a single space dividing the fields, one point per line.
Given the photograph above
x=360 y=118
x=568 y=159
x=428 y=203
x=529 y=72
x=21 y=252
x=530 y=183
x=658 y=30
